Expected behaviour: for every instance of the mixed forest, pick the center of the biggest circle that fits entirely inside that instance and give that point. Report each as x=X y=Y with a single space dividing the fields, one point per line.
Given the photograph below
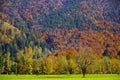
x=59 y=36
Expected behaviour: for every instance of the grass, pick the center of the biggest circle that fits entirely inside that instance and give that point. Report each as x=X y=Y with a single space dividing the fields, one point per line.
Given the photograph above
x=61 y=77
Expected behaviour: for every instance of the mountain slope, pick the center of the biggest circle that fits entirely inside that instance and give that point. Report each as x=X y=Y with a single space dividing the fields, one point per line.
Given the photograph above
x=63 y=13
x=57 y=25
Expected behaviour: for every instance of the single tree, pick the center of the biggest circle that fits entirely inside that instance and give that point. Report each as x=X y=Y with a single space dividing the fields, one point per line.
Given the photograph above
x=84 y=59
x=7 y=63
x=2 y=62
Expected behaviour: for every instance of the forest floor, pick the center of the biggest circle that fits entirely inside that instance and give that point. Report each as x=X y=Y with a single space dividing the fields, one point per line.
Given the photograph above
x=62 y=77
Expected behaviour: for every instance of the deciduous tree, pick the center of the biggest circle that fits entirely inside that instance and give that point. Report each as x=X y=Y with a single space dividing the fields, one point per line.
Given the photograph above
x=84 y=58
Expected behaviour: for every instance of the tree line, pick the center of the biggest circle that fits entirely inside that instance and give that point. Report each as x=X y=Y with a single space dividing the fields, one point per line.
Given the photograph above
x=35 y=62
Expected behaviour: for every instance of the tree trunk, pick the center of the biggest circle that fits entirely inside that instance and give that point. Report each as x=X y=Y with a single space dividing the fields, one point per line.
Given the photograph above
x=83 y=75
x=83 y=72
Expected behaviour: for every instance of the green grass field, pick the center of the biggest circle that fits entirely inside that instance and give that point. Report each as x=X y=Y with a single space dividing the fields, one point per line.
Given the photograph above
x=61 y=77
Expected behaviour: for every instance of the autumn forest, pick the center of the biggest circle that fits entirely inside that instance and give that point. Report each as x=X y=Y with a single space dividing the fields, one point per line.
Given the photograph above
x=59 y=36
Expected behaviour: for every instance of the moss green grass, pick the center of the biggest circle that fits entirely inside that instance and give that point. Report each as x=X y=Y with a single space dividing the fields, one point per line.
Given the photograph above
x=61 y=77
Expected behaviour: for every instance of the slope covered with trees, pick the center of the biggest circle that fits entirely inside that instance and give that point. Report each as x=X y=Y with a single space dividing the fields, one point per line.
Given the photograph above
x=51 y=32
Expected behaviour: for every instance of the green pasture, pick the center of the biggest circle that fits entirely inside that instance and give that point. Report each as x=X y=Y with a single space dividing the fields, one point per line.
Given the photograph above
x=61 y=77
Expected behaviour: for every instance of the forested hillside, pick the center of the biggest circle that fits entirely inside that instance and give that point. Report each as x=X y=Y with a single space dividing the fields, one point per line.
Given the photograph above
x=52 y=31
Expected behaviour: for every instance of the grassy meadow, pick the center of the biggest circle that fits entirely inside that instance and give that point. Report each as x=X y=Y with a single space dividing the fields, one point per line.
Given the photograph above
x=61 y=77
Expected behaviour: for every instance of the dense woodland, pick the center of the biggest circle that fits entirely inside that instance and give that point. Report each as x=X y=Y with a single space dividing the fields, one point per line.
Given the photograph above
x=59 y=36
